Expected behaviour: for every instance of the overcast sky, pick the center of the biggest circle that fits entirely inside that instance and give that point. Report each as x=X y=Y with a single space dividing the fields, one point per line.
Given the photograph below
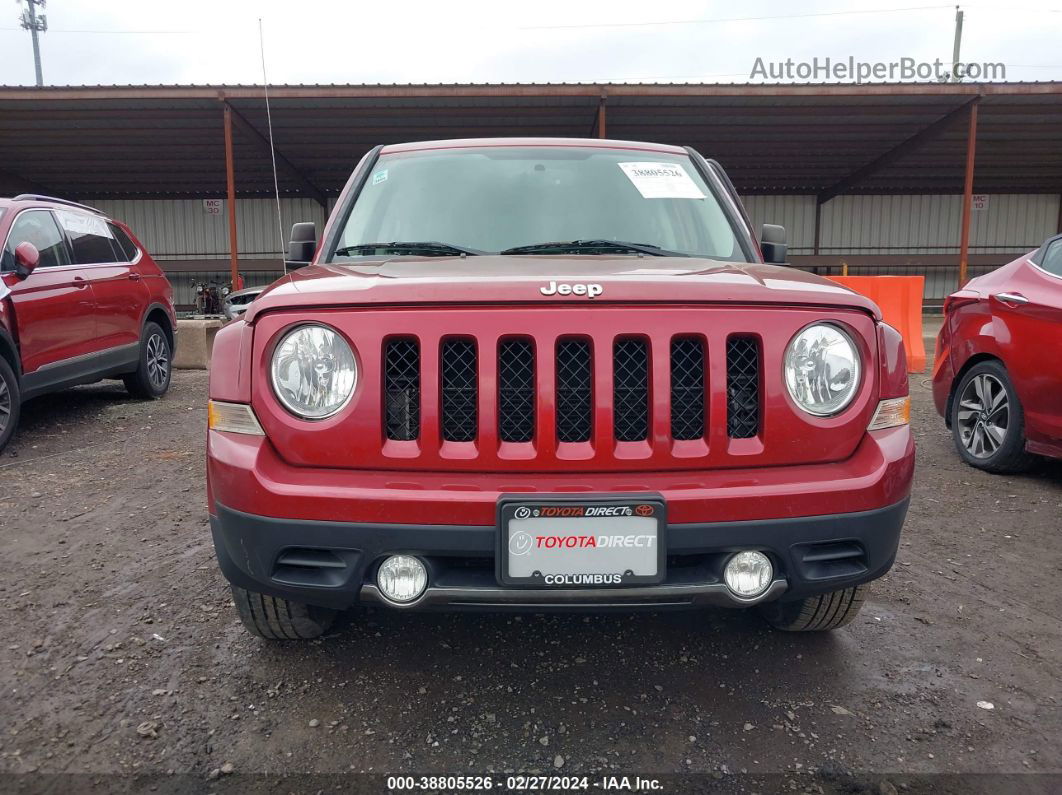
x=335 y=41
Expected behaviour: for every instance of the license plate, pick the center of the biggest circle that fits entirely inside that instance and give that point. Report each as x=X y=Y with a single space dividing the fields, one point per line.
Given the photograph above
x=581 y=543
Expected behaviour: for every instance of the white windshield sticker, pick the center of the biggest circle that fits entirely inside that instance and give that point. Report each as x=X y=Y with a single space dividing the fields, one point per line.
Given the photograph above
x=81 y=224
x=662 y=181
x=379 y=176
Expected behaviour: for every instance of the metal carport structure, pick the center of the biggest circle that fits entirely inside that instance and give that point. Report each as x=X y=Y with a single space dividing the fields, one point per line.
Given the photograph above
x=828 y=140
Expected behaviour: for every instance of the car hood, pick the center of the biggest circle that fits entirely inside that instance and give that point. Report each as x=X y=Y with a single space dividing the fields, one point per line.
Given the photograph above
x=521 y=279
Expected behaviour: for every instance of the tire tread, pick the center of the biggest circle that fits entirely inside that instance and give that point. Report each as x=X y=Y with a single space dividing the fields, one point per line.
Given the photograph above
x=274 y=618
x=818 y=613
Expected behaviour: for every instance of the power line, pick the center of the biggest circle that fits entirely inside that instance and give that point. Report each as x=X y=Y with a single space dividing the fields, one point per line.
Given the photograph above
x=119 y=32
x=736 y=19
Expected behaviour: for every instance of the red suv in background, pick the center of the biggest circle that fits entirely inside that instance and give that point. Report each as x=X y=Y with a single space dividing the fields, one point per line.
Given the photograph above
x=80 y=300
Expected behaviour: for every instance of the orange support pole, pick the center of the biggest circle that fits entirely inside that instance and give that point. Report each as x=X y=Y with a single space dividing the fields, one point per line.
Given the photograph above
x=967 y=197
x=230 y=178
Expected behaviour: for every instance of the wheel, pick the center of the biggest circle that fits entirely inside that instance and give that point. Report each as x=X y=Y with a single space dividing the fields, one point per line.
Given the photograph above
x=279 y=619
x=10 y=402
x=987 y=421
x=816 y=613
x=152 y=376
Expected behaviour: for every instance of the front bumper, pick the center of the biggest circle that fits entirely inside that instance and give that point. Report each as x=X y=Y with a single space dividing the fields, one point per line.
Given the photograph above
x=333 y=564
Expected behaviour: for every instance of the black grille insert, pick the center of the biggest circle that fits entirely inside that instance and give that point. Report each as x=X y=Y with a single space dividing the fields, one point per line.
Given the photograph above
x=460 y=390
x=574 y=391
x=402 y=389
x=742 y=387
x=687 y=388
x=516 y=391
x=630 y=386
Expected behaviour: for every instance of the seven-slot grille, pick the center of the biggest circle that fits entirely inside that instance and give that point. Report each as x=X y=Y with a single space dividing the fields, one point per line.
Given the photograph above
x=517 y=397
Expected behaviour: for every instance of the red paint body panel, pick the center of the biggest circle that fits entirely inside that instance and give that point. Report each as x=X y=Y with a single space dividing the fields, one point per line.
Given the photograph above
x=246 y=473
x=1027 y=338
x=353 y=438
x=516 y=280
x=892 y=363
x=344 y=469
x=54 y=315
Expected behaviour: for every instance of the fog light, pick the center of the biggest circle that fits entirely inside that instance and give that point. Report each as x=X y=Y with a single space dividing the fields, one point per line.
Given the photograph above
x=402 y=578
x=748 y=574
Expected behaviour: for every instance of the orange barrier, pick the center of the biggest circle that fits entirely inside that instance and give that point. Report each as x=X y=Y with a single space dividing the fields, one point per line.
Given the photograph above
x=900 y=301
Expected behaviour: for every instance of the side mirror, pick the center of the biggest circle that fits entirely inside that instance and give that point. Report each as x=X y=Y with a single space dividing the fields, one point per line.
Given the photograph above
x=27 y=258
x=302 y=245
x=772 y=244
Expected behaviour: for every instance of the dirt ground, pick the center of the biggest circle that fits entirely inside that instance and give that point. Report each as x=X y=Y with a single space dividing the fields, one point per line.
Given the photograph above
x=121 y=652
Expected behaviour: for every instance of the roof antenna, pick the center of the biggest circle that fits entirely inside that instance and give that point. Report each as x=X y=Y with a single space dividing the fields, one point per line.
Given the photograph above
x=272 y=149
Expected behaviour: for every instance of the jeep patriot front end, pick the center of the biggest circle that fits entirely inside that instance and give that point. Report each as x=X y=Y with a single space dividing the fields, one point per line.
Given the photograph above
x=552 y=374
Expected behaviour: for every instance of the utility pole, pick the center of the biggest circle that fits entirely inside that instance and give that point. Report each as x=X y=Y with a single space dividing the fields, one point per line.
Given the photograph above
x=35 y=24
x=957 y=45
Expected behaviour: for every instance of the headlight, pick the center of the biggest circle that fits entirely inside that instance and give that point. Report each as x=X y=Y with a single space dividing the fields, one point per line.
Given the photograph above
x=822 y=369
x=313 y=372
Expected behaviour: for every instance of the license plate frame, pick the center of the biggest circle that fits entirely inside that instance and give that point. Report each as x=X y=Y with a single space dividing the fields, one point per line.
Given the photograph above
x=640 y=506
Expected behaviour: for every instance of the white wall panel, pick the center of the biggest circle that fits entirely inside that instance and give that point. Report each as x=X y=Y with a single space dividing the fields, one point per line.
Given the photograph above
x=871 y=224
x=182 y=229
x=1010 y=223
x=795 y=213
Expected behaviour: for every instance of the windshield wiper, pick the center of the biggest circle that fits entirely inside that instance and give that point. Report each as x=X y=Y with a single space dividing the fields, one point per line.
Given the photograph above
x=429 y=247
x=583 y=245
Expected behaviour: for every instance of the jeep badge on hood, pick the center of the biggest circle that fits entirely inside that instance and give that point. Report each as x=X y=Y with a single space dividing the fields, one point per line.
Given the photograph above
x=589 y=290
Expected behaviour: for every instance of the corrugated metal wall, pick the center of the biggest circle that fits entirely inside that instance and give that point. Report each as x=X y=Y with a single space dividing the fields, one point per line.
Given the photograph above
x=795 y=213
x=183 y=229
x=1011 y=223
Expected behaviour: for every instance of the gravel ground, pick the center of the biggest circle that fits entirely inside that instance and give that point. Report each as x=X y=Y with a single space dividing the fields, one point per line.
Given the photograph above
x=121 y=652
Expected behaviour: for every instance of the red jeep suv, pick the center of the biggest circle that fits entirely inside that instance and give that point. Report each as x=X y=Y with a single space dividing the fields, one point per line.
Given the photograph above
x=552 y=374
x=80 y=300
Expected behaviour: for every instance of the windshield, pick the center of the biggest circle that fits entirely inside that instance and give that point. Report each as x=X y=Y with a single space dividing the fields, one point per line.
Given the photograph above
x=491 y=199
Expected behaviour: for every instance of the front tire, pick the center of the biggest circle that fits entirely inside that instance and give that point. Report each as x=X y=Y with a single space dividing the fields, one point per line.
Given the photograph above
x=816 y=613
x=152 y=376
x=10 y=402
x=279 y=619
x=988 y=422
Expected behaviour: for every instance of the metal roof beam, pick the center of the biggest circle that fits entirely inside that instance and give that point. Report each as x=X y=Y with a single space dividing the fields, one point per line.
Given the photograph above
x=263 y=143
x=16 y=183
x=912 y=144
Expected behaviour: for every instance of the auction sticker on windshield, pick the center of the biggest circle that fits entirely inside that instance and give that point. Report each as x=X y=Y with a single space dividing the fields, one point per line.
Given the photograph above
x=661 y=181
x=581 y=544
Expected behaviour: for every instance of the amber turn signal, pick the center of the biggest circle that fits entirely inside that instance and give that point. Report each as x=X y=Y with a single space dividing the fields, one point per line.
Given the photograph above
x=890 y=413
x=232 y=417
